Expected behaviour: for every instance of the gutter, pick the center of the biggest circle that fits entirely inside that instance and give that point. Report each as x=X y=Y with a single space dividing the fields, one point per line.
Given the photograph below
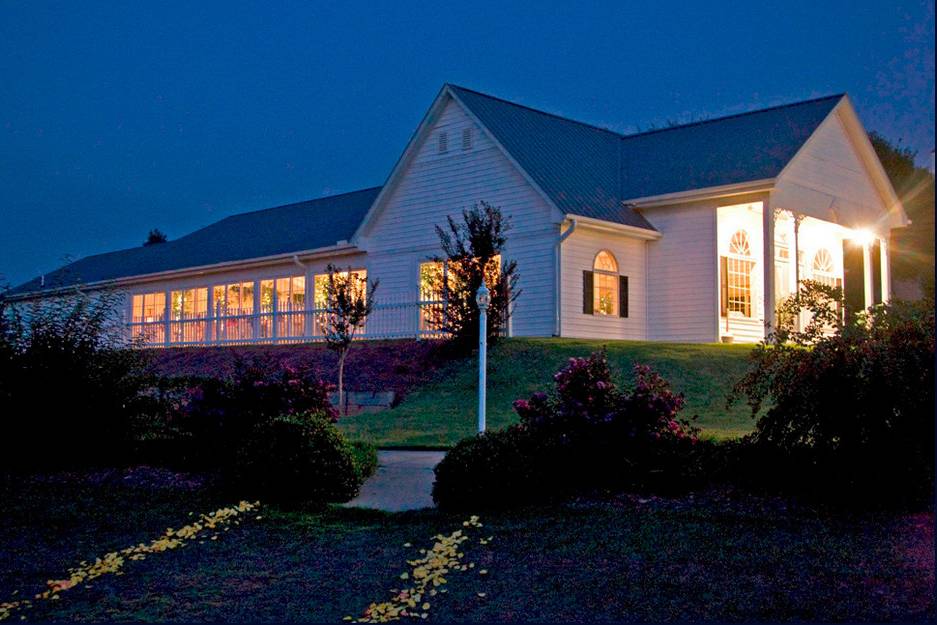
x=332 y=250
x=695 y=195
x=558 y=298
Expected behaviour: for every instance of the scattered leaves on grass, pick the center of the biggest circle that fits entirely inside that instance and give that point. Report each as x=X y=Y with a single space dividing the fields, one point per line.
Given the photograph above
x=113 y=562
x=428 y=573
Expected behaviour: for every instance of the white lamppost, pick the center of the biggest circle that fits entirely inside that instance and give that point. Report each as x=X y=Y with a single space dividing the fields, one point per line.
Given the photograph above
x=482 y=298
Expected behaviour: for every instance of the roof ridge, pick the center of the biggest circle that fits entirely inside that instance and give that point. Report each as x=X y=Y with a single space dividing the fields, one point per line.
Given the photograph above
x=270 y=208
x=536 y=110
x=655 y=130
x=170 y=242
x=733 y=115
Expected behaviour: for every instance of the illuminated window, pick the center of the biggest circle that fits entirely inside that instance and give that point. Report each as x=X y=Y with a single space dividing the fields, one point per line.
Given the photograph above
x=148 y=316
x=320 y=292
x=737 y=276
x=291 y=305
x=188 y=310
x=605 y=284
x=431 y=295
x=823 y=269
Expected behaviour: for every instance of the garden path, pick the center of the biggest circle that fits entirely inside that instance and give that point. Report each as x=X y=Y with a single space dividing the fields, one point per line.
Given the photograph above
x=403 y=481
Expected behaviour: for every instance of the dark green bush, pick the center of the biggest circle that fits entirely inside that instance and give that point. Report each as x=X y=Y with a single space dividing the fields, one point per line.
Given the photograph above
x=494 y=469
x=70 y=384
x=848 y=408
x=364 y=456
x=297 y=460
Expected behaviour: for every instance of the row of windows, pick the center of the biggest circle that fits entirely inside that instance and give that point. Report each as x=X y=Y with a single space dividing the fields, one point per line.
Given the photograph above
x=230 y=313
x=737 y=266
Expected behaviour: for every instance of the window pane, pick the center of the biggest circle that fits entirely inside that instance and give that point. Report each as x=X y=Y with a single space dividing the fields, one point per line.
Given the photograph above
x=606 y=294
x=137 y=308
x=247 y=298
x=604 y=261
x=266 y=295
x=298 y=296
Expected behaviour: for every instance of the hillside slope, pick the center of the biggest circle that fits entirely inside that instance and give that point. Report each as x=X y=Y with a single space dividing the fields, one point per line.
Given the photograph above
x=443 y=410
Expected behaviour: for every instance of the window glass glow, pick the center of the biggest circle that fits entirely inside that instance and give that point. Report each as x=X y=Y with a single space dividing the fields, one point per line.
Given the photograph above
x=605 y=284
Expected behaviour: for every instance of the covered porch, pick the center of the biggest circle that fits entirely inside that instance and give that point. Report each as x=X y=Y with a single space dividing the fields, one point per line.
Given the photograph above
x=766 y=248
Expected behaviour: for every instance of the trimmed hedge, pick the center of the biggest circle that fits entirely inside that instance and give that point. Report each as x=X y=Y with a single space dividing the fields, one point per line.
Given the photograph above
x=300 y=460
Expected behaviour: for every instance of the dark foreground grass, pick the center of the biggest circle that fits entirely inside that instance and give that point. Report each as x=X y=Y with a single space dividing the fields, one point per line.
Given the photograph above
x=442 y=411
x=708 y=557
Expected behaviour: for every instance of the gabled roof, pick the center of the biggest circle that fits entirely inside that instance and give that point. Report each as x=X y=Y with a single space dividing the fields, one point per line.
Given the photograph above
x=590 y=171
x=575 y=164
x=582 y=169
x=273 y=231
x=727 y=150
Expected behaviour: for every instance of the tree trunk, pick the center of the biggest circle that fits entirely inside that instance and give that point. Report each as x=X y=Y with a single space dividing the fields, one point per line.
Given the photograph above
x=341 y=382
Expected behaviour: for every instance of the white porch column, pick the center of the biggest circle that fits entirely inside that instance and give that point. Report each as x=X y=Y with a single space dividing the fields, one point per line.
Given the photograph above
x=767 y=218
x=886 y=271
x=167 y=314
x=867 y=273
x=255 y=319
x=209 y=315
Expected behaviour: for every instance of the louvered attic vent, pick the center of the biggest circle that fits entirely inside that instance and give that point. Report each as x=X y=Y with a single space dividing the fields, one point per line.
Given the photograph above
x=466 y=138
x=443 y=142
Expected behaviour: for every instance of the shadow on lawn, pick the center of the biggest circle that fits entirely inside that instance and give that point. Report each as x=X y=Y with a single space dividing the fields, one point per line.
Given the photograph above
x=707 y=556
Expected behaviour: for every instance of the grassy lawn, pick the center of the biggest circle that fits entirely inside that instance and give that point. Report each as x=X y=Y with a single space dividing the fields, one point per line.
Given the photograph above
x=708 y=557
x=442 y=411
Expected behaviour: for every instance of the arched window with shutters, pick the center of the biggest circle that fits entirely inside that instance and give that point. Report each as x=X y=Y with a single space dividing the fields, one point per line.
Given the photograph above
x=736 y=274
x=604 y=290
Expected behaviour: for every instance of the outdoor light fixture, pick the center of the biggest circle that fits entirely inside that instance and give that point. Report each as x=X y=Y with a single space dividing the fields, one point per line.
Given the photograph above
x=862 y=237
x=482 y=298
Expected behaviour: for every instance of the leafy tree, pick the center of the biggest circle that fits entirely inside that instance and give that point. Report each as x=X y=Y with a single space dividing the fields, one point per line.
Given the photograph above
x=472 y=254
x=154 y=237
x=912 y=252
x=61 y=359
x=349 y=299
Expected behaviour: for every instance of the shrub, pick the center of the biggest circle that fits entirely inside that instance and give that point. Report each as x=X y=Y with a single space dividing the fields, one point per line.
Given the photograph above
x=490 y=470
x=297 y=460
x=218 y=414
x=364 y=456
x=586 y=435
x=850 y=412
x=70 y=384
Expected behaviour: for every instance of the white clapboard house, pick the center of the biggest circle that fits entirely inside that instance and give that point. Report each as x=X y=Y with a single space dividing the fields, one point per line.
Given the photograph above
x=685 y=233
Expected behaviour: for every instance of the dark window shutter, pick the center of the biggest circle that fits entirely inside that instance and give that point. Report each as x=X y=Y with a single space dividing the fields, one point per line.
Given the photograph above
x=587 y=292
x=724 y=285
x=622 y=296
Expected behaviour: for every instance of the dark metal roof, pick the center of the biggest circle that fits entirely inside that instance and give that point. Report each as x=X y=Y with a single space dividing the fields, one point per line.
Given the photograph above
x=584 y=170
x=269 y=232
x=590 y=171
x=575 y=164
x=728 y=150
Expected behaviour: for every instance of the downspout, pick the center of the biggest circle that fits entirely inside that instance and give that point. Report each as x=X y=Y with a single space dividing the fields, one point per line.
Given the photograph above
x=559 y=274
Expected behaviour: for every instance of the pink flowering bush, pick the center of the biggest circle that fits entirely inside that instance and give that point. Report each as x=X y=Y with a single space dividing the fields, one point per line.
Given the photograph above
x=586 y=402
x=586 y=434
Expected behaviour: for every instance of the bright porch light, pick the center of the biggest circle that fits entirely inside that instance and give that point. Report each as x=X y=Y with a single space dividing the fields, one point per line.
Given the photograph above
x=862 y=237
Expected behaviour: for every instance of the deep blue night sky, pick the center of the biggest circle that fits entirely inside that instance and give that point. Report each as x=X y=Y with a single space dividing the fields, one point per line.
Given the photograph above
x=120 y=117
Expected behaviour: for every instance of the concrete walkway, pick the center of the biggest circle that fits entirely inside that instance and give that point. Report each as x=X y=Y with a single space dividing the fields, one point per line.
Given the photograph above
x=403 y=481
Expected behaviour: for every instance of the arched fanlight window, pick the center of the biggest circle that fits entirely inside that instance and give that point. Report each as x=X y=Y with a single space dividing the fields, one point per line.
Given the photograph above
x=605 y=285
x=740 y=244
x=823 y=268
x=736 y=273
x=604 y=261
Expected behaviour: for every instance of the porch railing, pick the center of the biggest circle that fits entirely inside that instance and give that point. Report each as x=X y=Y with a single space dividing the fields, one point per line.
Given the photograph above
x=391 y=318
